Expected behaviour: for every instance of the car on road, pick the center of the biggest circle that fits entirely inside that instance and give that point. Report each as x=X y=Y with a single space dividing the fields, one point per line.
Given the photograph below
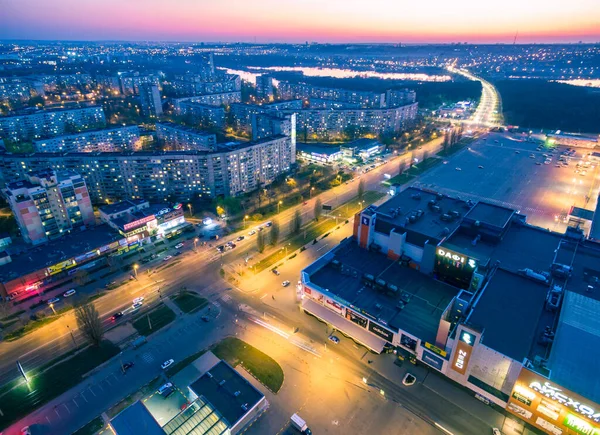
x=285 y=283
x=205 y=319
x=517 y=152
x=251 y=233
x=168 y=363
x=538 y=163
x=240 y=238
x=496 y=431
x=136 y=305
x=480 y=167
x=333 y=339
x=69 y=293
x=458 y=169
x=128 y=365
x=409 y=380
x=269 y=224
x=275 y=271
x=179 y=245
x=116 y=316
x=53 y=301
x=221 y=248
x=26 y=430
x=138 y=299
x=167 y=258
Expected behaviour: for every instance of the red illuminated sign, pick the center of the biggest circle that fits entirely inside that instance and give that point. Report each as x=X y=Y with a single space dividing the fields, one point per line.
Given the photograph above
x=138 y=223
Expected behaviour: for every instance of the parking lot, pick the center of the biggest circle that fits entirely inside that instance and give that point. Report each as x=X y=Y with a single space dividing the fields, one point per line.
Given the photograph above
x=514 y=173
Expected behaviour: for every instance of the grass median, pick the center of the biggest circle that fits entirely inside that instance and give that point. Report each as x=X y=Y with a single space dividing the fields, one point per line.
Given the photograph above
x=415 y=171
x=314 y=229
x=91 y=428
x=154 y=320
x=189 y=302
x=260 y=365
x=47 y=385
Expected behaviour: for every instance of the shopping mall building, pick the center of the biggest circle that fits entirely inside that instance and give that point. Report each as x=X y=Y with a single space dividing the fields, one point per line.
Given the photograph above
x=507 y=310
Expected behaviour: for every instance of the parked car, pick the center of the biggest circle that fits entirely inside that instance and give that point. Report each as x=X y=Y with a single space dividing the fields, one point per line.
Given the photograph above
x=496 y=431
x=177 y=254
x=276 y=272
x=179 y=245
x=333 y=339
x=167 y=258
x=69 y=293
x=285 y=283
x=53 y=301
x=128 y=365
x=205 y=319
x=165 y=390
x=168 y=363
x=136 y=305
x=409 y=380
x=116 y=316
x=138 y=299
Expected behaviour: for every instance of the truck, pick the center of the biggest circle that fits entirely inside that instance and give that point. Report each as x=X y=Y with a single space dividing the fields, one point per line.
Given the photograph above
x=300 y=424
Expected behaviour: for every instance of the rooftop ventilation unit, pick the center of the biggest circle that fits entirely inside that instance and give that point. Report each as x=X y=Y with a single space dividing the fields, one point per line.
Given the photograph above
x=237 y=393
x=222 y=383
x=245 y=407
x=476 y=239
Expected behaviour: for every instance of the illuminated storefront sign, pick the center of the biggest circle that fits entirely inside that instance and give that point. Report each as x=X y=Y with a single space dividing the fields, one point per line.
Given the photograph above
x=552 y=408
x=454 y=267
x=436 y=349
x=61 y=266
x=432 y=360
x=139 y=222
x=455 y=257
x=356 y=318
x=554 y=393
x=464 y=349
x=381 y=332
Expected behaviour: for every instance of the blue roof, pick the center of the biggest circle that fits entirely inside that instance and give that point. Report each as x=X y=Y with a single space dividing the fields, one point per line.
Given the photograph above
x=135 y=420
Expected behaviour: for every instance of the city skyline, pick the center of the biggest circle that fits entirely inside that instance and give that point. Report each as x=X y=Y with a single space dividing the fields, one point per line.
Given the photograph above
x=332 y=21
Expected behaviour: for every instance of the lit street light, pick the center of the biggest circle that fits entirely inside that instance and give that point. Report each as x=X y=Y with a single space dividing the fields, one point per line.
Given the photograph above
x=191 y=210
x=135 y=268
x=195 y=243
x=311 y=191
x=245 y=218
x=53 y=310
x=278 y=204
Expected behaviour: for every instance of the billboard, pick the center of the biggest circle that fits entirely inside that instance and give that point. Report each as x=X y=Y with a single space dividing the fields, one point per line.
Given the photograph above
x=463 y=352
x=380 y=331
x=552 y=408
x=138 y=223
x=356 y=318
x=433 y=360
x=59 y=267
x=454 y=267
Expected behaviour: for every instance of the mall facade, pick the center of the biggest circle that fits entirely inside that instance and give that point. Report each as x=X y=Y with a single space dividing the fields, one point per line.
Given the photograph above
x=472 y=291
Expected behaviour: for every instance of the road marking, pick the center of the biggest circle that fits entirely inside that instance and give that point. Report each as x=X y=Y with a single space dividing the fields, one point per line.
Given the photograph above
x=263 y=296
x=92 y=391
x=443 y=429
x=76 y=404
x=65 y=405
x=48 y=420
x=84 y=398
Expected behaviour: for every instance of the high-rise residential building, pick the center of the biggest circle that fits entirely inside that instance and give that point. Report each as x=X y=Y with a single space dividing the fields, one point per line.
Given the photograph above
x=242 y=114
x=264 y=87
x=193 y=84
x=105 y=140
x=230 y=170
x=399 y=97
x=182 y=138
x=50 y=123
x=46 y=204
x=202 y=115
x=21 y=88
x=362 y=99
x=218 y=99
x=150 y=100
x=130 y=82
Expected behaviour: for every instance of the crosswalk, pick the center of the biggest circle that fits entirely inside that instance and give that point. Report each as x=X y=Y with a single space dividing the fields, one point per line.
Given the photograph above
x=148 y=358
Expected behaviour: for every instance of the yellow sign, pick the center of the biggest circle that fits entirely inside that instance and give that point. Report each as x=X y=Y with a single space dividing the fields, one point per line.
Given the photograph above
x=61 y=266
x=436 y=349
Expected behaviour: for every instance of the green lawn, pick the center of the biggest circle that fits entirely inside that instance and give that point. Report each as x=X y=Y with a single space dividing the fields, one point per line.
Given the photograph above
x=46 y=386
x=91 y=428
x=180 y=365
x=160 y=317
x=314 y=229
x=189 y=302
x=259 y=364
x=415 y=171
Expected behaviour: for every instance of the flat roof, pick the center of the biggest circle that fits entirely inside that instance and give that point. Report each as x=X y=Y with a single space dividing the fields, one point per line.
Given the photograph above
x=509 y=312
x=428 y=297
x=595 y=230
x=186 y=128
x=318 y=148
x=362 y=143
x=584 y=258
x=134 y=420
x=493 y=215
x=396 y=213
x=69 y=246
x=582 y=213
x=573 y=360
x=121 y=206
x=227 y=391
x=523 y=246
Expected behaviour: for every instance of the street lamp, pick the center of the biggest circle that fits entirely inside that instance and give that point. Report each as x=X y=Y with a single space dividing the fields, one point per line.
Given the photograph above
x=135 y=268
x=53 y=310
x=195 y=243
x=278 y=204
x=190 y=209
x=245 y=218
x=72 y=336
x=311 y=191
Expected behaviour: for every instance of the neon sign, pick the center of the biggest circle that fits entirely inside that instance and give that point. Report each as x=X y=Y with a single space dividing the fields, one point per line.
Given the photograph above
x=556 y=394
x=455 y=257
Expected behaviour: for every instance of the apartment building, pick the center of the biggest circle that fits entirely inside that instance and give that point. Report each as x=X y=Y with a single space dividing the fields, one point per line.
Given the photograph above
x=304 y=91
x=229 y=170
x=48 y=203
x=50 y=123
x=130 y=82
x=105 y=140
x=194 y=84
x=217 y=99
x=203 y=115
x=243 y=114
x=150 y=100
x=182 y=138
x=264 y=87
x=19 y=88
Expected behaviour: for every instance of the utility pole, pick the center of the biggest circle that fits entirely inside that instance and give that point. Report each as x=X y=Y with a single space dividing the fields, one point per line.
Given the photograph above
x=149 y=322
x=72 y=336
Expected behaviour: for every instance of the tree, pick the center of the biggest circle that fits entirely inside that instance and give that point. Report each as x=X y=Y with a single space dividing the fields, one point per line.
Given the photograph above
x=296 y=223
x=401 y=167
x=274 y=233
x=318 y=208
x=260 y=241
x=88 y=322
x=361 y=189
x=81 y=277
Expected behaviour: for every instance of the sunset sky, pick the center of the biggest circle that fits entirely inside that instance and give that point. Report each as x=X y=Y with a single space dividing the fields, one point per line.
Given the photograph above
x=303 y=20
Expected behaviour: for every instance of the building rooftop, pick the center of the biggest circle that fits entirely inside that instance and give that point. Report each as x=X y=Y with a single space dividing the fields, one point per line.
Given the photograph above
x=584 y=258
x=595 y=230
x=427 y=298
x=510 y=312
x=362 y=144
x=227 y=391
x=522 y=246
x=121 y=206
x=136 y=419
x=69 y=246
x=490 y=214
x=573 y=360
x=318 y=148
x=420 y=214
x=186 y=128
